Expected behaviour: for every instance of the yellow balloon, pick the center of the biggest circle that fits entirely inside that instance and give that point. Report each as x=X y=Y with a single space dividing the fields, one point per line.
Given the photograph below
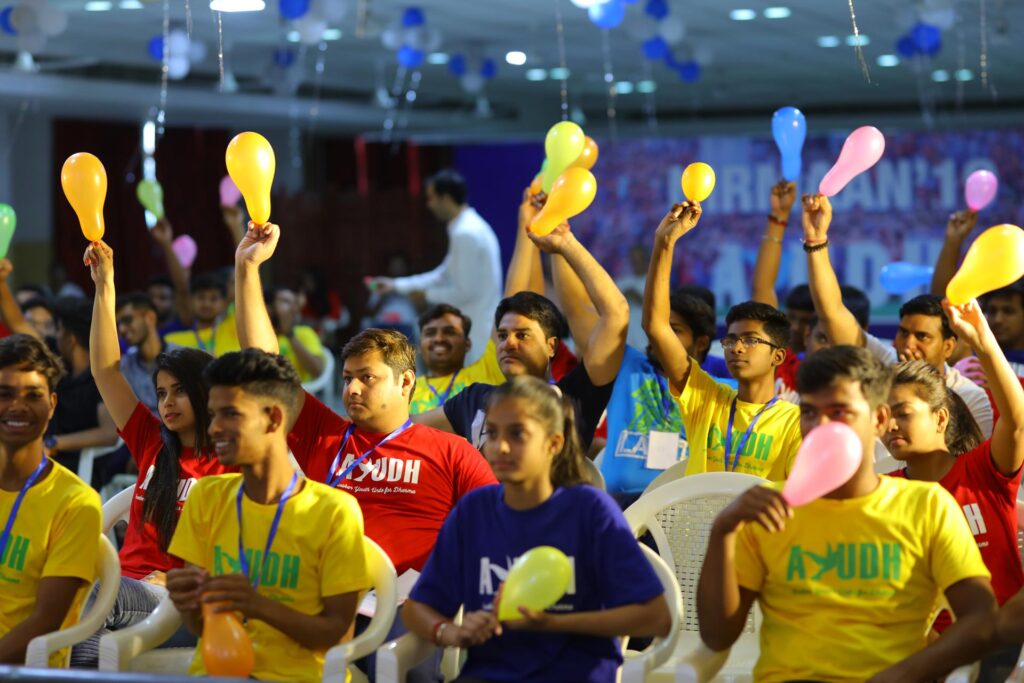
x=251 y=164
x=537 y=580
x=995 y=260
x=562 y=146
x=588 y=157
x=85 y=185
x=535 y=186
x=698 y=181
x=571 y=195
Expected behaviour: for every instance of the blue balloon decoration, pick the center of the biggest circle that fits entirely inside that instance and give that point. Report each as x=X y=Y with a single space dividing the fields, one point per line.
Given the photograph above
x=284 y=57
x=156 y=48
x=670 y=61
x=656 y=9
x=293 y=9
x=410 y=57
x=457 y=66
x=489 y=69
x=413 y=17
x=689 y=72
x=655 y=48
x=789 y=128
x=630 y=2
x=906 y=47
x=608 y=14
x=927 y=38
x=901 y=277
x=5 y=21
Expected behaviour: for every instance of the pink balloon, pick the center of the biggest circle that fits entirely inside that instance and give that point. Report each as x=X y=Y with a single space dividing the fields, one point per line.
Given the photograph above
x=980 y=189
x=827 y=459
x=229 y=192
x=185 y=249
x=861 y=151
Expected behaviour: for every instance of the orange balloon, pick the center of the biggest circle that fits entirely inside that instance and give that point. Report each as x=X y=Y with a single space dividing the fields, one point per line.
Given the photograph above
x=570 y=196
x=588 y=157
x=227 y=649
x=85 y=185
x=535 y=186
x=995 y=260
x=251 y=164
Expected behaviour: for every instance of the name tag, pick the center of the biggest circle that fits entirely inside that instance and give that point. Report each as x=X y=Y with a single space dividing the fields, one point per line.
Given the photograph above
x=662 y=450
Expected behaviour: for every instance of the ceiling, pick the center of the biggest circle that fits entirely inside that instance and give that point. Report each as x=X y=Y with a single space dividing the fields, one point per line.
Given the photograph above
x=749 y=67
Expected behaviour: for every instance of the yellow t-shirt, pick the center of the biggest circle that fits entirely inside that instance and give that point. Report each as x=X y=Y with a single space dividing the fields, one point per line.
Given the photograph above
x=56 y=534
x=771 y=447
x=317 y=552
x=485 y=371
x=308 y=337
x=217 y=340
x=849 y=586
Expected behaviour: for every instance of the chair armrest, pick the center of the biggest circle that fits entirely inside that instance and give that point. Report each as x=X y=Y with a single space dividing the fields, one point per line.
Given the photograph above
x=119 y=648
x=965 y=674
x=701 y=665
x=396 y=658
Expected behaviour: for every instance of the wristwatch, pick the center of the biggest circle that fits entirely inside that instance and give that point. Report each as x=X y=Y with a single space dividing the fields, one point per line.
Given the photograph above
x=50 y=442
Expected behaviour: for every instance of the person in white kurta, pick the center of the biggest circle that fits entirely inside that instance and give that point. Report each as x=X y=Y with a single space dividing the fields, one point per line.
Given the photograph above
x=469 y=277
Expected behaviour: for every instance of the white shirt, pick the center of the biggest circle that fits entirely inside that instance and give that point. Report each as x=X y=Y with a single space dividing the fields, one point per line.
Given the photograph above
x=469 y=278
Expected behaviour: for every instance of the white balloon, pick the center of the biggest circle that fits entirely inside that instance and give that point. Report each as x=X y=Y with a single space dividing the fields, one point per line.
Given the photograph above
x=587 y=4
x=942 y=18
x=333 y=11
x=672 y=30
x=311 y=29
x=472 y=83
x=416 y=37
x=177 y=67
x=33 y=41
x=52 y=20
x=24 y=19
x=392 y=37
x=177 y=44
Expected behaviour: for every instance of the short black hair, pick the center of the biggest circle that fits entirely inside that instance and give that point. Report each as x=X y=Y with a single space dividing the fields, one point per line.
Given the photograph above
x=1008 y=292
x=697 y=315
x=702 y=293
x=37 y=302
x=537 y=308
x=257 y=372
x=776 y=324
x=858 y=303
x=202 y=282
x=449 y=182
x=75 y=316
x=29 y=354
x=438 y=310
x=162 y=280
x=270 y=293
x=799 y=298
x=137 y=300
x=930 y=305
x=822 y=368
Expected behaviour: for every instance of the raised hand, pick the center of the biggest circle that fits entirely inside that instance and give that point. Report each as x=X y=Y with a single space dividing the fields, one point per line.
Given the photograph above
x=530 y=207
x=817 y=217
x=555 y=241
x=968 y=322
x=681 y=219
x=258 y=244
x=783 y=196
x=6 y=268
x=162 y=232
x=99 y=259
x=961 y=224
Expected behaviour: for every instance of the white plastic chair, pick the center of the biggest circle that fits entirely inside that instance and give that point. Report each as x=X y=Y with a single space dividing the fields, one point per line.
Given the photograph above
x=133 y=649
x=116 y=510
x=593 y=474
x=108 y=573
x=87 y=458
x=322 y=386
x=672 y=473
x=396 y=658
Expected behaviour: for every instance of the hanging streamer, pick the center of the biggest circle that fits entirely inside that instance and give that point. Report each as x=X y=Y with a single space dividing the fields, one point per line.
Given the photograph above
x=859 y=48
x=396 y=93
x=161 y=115
x=961 y=64
x=560 y=33
x=410 y=97
x=986 y=81
x=609 y=80
x=318 y=81
x=188 y=18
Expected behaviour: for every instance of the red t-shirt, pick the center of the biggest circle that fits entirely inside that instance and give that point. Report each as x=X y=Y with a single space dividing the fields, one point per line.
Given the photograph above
x=406 y=487
x=141 y=554
x=563 y=362
x=786 y=372
x=989 y=501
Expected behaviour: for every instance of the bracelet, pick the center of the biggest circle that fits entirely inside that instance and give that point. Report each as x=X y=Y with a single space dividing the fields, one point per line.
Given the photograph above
x=438 y=630
x=770 y=238
x=818 y=246
x=777 y=221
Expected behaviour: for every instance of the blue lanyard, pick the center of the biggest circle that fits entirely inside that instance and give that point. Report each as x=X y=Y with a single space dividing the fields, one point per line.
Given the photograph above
x=17 y=504
x=746 y=435
x=333 y=479
x=242 y=559
x=666 y=396
x=442 y=397
x=199 y=340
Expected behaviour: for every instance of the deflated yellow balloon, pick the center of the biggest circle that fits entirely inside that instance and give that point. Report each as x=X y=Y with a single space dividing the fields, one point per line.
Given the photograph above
x=251 y=165
x=537 y=580
x=85 y=185
x=570 y=196
x=995 y=260
x=698 y=181
x=562 y=146
x=588 y=157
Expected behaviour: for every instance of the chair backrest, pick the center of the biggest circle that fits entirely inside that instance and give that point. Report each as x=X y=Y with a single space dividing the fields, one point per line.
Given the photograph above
x=678 y=516
x=593 y=474
x=108 y=573
x=87 y=457
x=322 y=386
x=660 y=649
x=672 y=473
x=117 y=509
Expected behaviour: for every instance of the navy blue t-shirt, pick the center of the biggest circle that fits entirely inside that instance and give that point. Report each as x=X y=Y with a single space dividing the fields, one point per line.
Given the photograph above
x=476 y=547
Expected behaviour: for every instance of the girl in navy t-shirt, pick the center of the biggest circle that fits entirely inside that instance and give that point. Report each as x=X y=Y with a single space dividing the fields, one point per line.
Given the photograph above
x=531 y=443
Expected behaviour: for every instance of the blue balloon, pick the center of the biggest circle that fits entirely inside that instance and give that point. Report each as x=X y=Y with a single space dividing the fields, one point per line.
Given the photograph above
x=608 y=14
x=689 y=72
x=284 y=57
x=410 y=57
x=293 y=9
x=156 y=48
x=457 y=66
x=901 y=277
x=927 y=38
x=630 y=2
x=670 y=61
x=789 y=128
x=5 y=21
x=906 y=47
x=656 y=9
x=489 y=69
x=412 y=17
x=655 y=48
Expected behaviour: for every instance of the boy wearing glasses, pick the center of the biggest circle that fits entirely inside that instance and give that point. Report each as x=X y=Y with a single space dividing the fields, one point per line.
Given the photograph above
x=747 y=429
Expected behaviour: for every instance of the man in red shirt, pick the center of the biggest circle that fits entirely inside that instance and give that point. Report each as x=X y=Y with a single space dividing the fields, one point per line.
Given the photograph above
x=406 y=476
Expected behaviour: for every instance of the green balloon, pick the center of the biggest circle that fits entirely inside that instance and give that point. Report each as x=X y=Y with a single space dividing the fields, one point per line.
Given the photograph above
x=151 y=196
x=8 y=220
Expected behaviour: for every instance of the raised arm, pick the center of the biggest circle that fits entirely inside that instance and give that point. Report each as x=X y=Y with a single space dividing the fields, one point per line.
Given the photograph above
x=254 y=327
x=840 y=324
x=163 y=234
x=525 y=273
x=606 y=343
x=575 y=302
x=670 y=352
x=234 y=222
x=769 y=256
x=104 y=350
x=10 y=311
x=958 y=228
x=969 y=324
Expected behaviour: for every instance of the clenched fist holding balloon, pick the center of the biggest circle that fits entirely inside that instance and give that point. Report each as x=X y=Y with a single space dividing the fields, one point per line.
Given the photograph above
x=681 y=219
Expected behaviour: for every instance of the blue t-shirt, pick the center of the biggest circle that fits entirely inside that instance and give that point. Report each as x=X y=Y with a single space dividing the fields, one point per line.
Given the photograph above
x=478 y=543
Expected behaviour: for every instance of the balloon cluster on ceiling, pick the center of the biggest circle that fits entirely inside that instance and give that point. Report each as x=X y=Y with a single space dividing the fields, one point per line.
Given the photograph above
x=310 y=18
x=410 y=38
x=31 y=22
x=182 y=52
x=472 y=73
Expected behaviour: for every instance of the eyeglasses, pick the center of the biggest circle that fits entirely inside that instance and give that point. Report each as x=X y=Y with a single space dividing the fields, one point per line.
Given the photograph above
x=747 y=341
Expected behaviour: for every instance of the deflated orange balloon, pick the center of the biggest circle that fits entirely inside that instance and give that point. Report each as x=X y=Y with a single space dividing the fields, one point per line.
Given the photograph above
x=570 y=196
x=588 y=157
x=251 y=165
x=995 y=260
x=85 y=185
x=227 y=648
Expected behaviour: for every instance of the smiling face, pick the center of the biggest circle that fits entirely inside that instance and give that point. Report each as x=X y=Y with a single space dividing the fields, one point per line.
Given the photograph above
x=173 y=403
x=443 y=345
x=242 y=425
x=919 y=337
x=914 y=428
x=523 y=348
x=517 y=446
x=26 y=406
